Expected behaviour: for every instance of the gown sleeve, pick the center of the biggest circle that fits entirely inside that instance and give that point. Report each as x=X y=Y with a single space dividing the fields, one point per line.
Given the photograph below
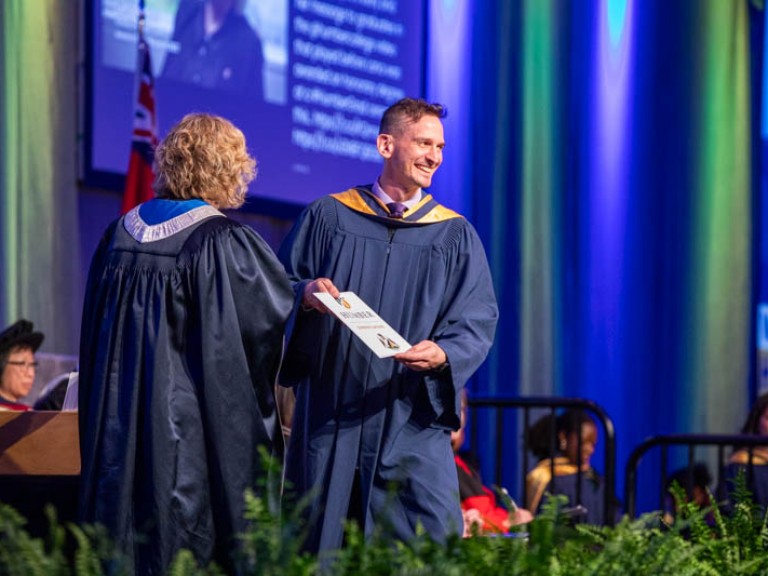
x=467 y=323
x=243 y=299
x=302 y=254
x=88 y=336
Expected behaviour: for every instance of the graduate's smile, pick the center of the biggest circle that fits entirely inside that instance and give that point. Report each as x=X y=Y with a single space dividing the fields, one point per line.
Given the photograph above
x=425 y=169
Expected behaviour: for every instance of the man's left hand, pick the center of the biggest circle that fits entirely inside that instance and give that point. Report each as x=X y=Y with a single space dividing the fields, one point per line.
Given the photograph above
x=426 y=355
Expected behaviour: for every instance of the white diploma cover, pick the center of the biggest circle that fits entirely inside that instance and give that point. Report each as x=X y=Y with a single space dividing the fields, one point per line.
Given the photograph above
x=364 y=323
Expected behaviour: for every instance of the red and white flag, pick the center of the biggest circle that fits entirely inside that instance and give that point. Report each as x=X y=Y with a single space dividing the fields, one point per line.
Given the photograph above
x=138 y=181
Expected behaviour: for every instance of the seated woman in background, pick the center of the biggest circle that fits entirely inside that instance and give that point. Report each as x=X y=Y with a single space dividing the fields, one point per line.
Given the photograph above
x=694 y=482
x=585 y=490
x=752 y=461
x=18 y=344
x=478 y=503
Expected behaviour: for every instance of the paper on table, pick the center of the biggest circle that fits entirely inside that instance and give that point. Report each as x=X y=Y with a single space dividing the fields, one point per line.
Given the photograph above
x=365 y=323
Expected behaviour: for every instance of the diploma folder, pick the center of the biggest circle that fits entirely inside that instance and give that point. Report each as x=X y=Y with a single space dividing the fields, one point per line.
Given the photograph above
x=365 y=323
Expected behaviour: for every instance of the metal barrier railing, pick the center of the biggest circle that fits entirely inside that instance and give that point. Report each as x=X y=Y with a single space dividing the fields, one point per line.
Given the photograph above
x=503 y=406
x=689 y=441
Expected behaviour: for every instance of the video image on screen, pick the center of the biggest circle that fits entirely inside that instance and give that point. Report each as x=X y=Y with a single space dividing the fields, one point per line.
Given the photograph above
x=306 y=81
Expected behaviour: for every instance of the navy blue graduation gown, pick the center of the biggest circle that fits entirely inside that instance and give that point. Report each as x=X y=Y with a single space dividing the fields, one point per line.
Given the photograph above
x=180 y=345
x=755 y=470
x=586 y=489
x=428 y=277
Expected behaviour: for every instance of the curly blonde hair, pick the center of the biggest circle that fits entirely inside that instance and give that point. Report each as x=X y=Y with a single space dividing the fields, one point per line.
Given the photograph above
x=204 y=156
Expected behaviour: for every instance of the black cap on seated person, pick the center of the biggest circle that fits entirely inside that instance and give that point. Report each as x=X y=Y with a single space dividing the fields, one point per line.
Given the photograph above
x=20 y=334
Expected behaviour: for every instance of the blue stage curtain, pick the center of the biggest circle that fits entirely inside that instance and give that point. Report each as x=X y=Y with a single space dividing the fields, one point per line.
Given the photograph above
x=613 y=178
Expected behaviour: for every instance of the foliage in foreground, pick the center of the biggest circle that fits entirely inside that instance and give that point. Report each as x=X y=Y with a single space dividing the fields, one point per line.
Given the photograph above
x=736 y=543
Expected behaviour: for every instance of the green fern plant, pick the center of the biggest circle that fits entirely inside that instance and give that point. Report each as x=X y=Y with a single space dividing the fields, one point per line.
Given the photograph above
x=185 y=564
x=272 y=546
x=738 y=542
x=22 y=555
x=735 y=543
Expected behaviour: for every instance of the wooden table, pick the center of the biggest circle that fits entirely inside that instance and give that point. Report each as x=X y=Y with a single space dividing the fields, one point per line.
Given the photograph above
x=39 y=465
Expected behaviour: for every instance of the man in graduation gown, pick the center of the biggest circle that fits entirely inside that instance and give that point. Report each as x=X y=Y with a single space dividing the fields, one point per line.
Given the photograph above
x=181 y=341
x=370 y=437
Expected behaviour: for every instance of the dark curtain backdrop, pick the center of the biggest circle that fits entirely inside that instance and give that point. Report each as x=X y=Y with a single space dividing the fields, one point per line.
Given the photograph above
x=613 y=176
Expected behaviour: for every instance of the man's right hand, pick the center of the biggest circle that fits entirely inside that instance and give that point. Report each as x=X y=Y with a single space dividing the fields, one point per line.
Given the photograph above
x=309 y=301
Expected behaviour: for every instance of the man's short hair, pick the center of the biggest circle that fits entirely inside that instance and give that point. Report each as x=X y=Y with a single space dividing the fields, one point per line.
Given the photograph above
x=408 y=110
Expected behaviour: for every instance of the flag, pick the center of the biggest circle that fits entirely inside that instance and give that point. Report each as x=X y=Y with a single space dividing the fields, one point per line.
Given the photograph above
x=138 y=181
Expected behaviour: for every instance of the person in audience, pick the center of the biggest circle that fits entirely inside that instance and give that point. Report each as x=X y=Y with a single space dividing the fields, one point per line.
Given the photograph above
x=181 y=341
x=751 y=461
x=695 y=484
x=18 y=344
x=479 y=505
x=568 y=469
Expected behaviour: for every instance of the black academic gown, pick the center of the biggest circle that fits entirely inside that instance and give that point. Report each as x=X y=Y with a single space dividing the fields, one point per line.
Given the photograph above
x=428 y=277
x=180 y=345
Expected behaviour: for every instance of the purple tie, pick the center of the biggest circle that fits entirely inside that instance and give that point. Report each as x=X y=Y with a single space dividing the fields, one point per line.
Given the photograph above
x=396 y=209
